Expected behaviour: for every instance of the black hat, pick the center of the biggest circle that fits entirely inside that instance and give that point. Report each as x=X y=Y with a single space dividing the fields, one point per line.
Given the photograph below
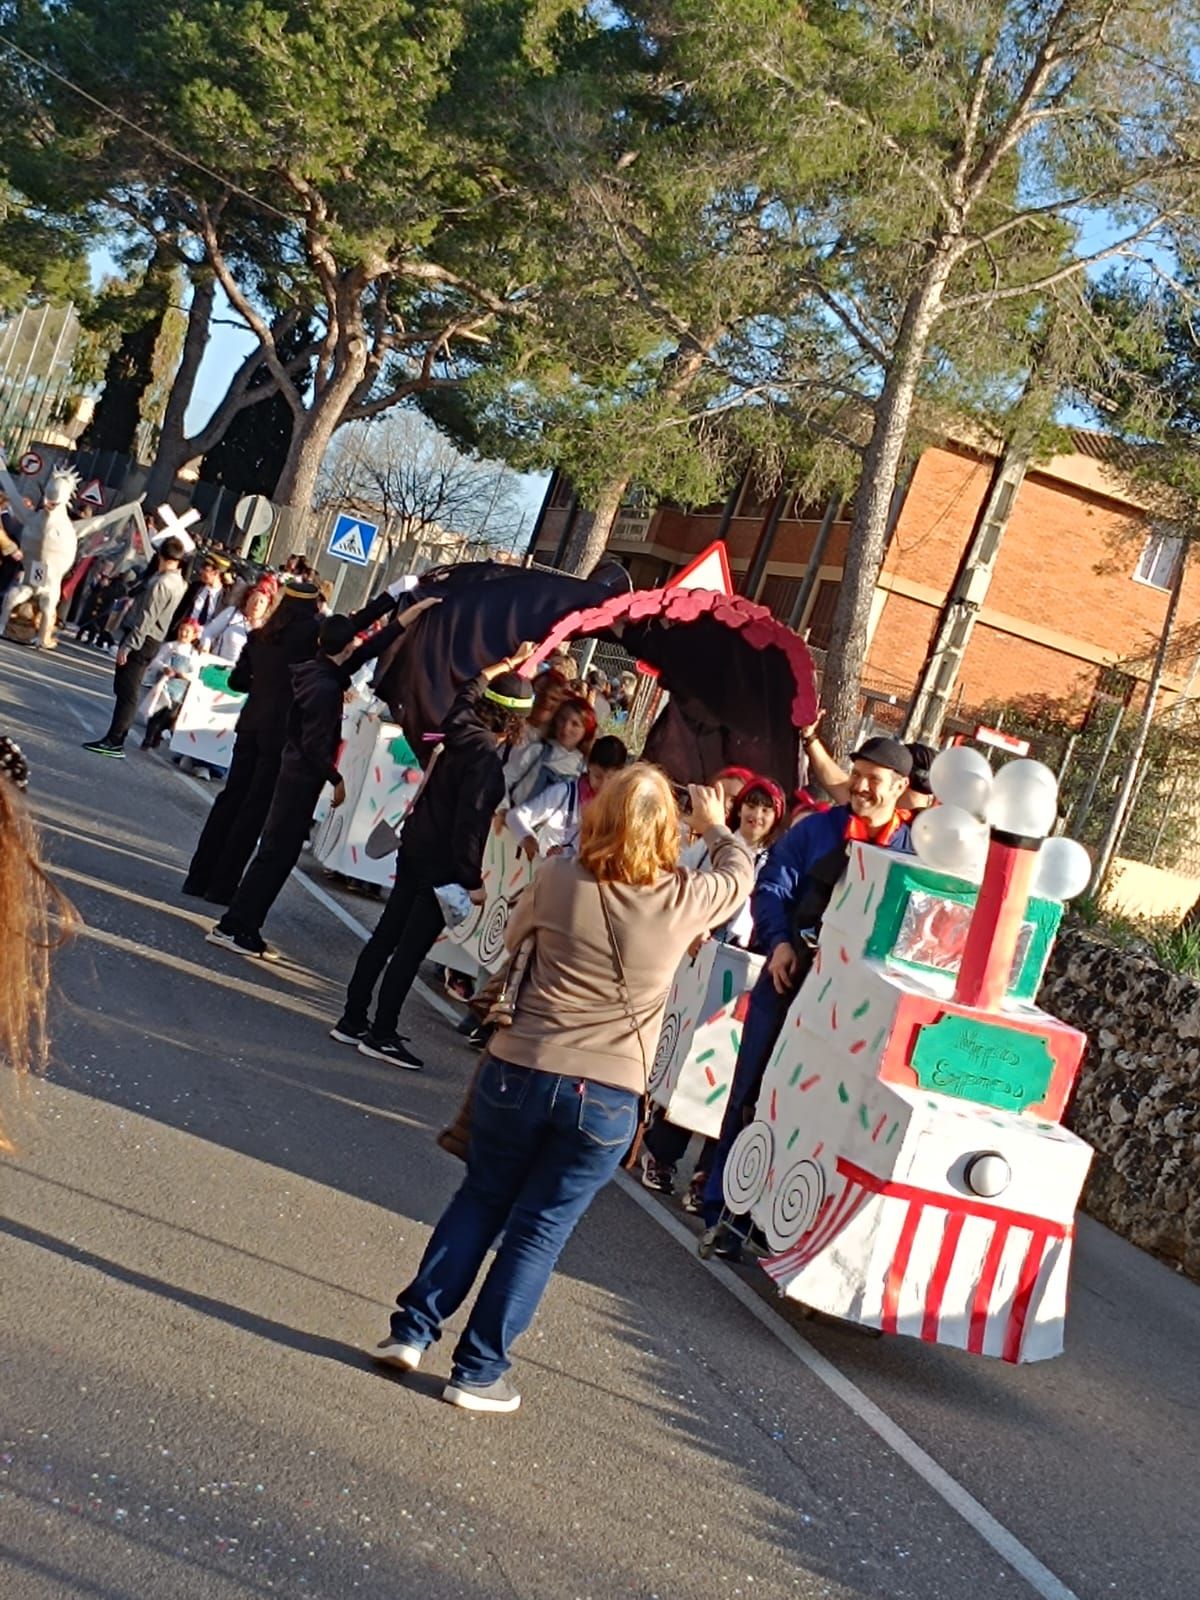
x=922 y=759
x=510 y=690
x=885 y=752
x=299 y=589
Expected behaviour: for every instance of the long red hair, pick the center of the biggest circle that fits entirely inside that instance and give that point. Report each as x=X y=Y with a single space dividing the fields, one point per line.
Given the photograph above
x=35 y=916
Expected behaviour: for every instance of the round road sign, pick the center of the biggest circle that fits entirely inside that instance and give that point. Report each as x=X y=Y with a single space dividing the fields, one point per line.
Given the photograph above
x=31 y=463
x=254 y=515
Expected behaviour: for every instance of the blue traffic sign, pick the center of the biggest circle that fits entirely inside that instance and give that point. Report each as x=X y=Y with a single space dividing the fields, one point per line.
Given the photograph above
x=352 y=538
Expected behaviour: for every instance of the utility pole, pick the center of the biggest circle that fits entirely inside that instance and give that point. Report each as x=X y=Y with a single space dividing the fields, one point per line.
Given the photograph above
x=935 y=687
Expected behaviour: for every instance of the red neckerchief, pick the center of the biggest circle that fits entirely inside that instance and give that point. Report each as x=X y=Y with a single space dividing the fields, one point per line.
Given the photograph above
x=860 y=831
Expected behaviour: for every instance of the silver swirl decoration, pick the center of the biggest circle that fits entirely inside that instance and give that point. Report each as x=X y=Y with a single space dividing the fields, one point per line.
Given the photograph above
x=667 y=1041
x=746 y=1170
x=491 y=934
x=795 y=1202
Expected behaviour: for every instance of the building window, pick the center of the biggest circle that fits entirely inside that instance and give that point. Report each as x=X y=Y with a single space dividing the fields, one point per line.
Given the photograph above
x=820 y=616
x=563 y=492
x=1160 y=560
x=779 y=596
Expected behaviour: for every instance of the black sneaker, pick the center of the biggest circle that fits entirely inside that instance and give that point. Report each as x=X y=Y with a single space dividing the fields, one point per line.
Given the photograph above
x=101 y=747
x=246 y=944
x=389 y=1048
x=498 y=1396
x=656 y=1176
x=346 y=1031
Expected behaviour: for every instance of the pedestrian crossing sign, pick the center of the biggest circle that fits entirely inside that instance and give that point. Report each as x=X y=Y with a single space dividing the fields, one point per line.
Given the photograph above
x=352 y=538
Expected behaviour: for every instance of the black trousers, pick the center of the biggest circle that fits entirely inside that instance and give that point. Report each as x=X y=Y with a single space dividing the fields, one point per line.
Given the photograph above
x=283 y=836
x=162 y=721
x=404 y=935
x=127 y=686
x=668 y=1143
x=237 y=817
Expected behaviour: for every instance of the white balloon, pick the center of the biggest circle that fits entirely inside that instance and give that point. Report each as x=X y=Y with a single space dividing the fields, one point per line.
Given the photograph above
x=1024 y=799
x=950 y=839
x=960 y=776
x=1064 y=869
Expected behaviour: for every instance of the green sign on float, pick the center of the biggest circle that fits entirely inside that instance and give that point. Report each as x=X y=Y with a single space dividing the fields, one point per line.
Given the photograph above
x=984 y=1062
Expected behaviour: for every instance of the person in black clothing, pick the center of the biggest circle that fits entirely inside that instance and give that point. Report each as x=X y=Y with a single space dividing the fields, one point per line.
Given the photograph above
x=442 y=842
x=263 y=673
x=308 y=763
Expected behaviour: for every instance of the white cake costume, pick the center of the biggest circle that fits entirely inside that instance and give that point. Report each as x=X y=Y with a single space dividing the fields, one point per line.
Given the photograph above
x=906 y=1163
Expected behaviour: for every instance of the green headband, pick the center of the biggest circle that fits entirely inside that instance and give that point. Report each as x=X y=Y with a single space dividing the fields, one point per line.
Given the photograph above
x=507 y=701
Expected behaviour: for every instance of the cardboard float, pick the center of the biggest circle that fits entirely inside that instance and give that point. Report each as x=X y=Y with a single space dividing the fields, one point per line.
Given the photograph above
x=701 y=1034
x=477 y=945
x=207 y=723
x=907 y=1163
x=359 y=838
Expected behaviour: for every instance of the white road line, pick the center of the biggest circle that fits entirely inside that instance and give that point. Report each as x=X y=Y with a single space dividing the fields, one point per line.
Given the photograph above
x=1006 y=1545
x=347 y=918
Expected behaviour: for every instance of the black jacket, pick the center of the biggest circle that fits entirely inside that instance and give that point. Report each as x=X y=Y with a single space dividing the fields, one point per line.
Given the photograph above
x=314 y=724
x=445 y=833
x=263 y=671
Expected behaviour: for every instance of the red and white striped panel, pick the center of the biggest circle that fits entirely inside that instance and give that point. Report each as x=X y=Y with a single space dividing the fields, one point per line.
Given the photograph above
x=944 y=1268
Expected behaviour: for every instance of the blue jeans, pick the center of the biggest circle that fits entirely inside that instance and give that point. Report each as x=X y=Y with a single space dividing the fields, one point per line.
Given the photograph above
x=764 y=1023
x=542 y=1146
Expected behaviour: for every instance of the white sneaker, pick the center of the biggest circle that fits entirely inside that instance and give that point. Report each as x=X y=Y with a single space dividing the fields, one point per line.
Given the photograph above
x=498 y=1396
x=391 y=1353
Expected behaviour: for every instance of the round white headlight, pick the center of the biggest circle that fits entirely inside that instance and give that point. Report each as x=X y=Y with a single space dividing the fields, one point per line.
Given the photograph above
x=987 y=1174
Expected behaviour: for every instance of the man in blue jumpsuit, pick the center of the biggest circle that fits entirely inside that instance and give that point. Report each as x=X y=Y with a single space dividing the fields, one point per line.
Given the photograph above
x=790 y=898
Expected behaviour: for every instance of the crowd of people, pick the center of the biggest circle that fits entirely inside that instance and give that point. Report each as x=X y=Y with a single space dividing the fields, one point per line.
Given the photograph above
x=630 y=876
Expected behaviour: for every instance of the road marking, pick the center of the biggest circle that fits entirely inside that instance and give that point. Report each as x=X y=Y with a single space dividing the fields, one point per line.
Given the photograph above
x=960 y=1500
x=349 y=920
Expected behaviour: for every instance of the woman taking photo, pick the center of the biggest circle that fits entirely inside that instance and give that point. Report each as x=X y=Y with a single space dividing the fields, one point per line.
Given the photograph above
x=557 y=1098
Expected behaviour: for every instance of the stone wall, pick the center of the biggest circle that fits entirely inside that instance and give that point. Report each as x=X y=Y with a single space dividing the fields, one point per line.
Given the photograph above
x=1138 y=1099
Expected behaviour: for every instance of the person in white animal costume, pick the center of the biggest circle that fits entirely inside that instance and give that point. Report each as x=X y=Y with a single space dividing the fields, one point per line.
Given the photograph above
x=49 y=543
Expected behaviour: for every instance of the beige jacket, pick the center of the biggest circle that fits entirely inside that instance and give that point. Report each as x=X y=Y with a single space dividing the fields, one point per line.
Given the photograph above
x=570 y=1016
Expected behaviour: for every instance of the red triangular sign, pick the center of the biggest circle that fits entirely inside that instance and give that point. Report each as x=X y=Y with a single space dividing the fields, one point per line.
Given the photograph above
x=710 y=570
x=92 y=494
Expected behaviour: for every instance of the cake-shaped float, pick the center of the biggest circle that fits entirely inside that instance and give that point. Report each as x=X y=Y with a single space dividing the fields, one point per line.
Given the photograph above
x=907 y=1163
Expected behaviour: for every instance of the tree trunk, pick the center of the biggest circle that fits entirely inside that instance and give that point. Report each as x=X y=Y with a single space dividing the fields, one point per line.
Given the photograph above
x=589 y=537
x=1107 y=847
x=311 y=436
x=872 y=505
x=174 y=448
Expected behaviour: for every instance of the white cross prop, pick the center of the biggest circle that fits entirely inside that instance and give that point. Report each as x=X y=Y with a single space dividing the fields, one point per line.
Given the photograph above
x=172 y=524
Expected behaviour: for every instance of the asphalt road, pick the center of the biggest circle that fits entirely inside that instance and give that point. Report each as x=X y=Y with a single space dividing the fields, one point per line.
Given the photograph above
x=213 y=1204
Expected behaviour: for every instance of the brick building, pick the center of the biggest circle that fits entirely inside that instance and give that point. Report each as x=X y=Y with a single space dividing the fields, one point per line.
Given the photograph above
x=1076 y=598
